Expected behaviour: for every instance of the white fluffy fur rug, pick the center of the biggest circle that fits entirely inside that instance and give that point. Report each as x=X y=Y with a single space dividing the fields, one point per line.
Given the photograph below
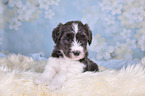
x=17 y=73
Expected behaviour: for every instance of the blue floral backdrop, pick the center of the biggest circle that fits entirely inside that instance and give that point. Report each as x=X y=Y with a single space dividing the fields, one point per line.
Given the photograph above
x=118 y=26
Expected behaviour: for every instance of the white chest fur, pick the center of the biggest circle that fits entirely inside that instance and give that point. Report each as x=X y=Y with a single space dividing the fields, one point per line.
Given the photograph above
x=65 y=65
x=59 y=70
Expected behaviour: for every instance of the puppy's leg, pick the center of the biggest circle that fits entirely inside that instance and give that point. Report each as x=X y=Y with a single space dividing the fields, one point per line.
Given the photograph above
x=45 y=77
x=58 y=81
x=90 y=65
x=49 y=72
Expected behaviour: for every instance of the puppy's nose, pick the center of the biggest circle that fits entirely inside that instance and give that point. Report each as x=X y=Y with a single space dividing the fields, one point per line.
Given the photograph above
x=76 y=53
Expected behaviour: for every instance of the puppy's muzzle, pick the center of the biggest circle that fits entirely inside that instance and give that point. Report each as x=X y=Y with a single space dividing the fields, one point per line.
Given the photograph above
x=76 y=53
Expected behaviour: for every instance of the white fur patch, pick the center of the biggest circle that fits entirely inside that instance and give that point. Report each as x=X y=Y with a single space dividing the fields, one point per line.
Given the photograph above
x=59 y=70
x=75 y=27
x=76 y=46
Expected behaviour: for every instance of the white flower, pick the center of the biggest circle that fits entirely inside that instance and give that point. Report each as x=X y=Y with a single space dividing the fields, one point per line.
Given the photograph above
x=116 y=8
x=14 y=24
x=140 y=33
x=110 y=19
x=104 y=51
x=49 y=14
x=118 y=45
x=122 y=51
x=18 y=3
x=53 y=2
x=44 y=4
x=126 y=33
x=141 y=43
x=105 y=5
x=136 y=14
x=131 y=43
x=124 y=1
x=25 y=12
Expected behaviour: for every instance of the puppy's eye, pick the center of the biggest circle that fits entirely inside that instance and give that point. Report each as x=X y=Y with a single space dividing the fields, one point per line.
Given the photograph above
x=84 y=40
x=67 y=39
x=83 y=37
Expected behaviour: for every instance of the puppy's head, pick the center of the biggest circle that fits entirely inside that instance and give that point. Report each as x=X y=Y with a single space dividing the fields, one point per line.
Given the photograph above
x=72 y=39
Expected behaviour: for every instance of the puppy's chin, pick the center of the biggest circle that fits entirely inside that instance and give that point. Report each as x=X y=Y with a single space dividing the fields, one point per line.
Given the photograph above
x=76 y=58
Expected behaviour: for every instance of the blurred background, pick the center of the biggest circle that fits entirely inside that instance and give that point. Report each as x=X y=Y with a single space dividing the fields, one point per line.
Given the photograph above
x=118 y=26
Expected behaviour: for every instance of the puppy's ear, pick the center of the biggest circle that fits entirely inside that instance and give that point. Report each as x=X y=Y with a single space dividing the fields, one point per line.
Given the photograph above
x=56 y=34
x=89 y=34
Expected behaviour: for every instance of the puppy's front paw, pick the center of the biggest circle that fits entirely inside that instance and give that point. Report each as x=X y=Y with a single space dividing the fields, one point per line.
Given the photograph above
x=54 y=85
x=41 y=80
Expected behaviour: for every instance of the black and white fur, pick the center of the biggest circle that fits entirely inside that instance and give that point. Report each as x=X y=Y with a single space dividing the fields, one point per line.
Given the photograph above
x=70 y=55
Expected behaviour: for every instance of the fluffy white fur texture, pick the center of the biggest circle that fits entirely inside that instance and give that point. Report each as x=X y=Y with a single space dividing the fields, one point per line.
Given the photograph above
x=17 y=73
x=58 y=70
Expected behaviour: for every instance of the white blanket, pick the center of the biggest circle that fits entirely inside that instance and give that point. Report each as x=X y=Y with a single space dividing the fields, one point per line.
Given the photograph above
x=17 y=73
